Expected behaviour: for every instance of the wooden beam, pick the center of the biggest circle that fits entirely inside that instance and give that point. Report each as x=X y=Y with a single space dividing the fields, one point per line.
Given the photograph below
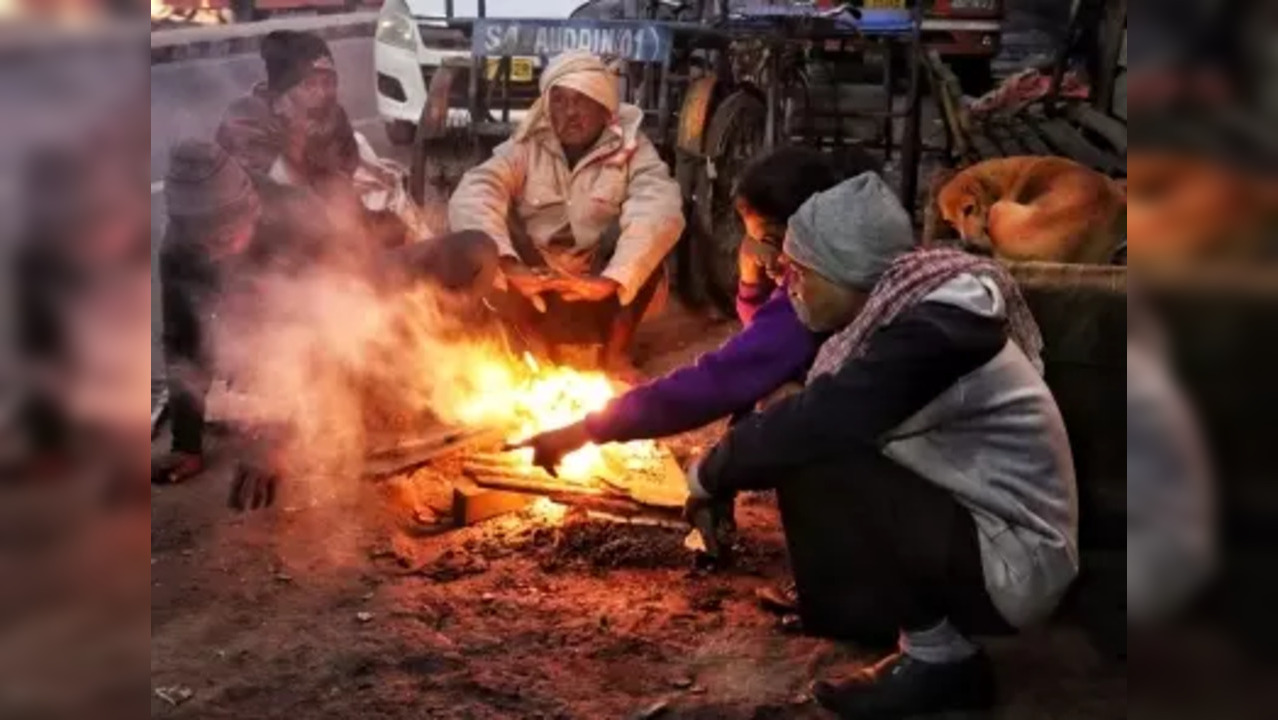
x=416 y=452
x=1025 y=133
x=1113 y=130
x=1073 y=145
x=473 y=503
x=999 y=133
x=987 y=149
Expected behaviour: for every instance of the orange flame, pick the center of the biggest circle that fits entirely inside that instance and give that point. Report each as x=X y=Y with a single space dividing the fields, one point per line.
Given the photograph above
x=531 y=399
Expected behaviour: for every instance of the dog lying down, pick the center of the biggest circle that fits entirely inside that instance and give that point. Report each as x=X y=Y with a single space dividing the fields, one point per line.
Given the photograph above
x=1187 y=210
x=1036 y=208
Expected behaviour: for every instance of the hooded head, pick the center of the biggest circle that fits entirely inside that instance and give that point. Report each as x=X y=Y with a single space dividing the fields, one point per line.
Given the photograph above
x=211 y=197
x=293 y=57
x=579 y=93
x=839 y=244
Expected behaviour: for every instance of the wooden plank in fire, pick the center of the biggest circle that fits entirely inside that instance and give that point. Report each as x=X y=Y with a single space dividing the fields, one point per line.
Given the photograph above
x=536 y=482
x=662 y=489
x=412 y=453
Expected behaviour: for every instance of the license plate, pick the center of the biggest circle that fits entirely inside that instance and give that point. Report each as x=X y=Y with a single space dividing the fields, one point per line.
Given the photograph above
x=884 y=4
x=521 y=69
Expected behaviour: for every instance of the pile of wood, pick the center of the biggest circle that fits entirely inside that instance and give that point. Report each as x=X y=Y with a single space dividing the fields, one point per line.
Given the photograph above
x=637 y=481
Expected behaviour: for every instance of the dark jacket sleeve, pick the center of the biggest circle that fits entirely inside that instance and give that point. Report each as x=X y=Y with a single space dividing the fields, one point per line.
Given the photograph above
x=775 y=348
x=907 y=364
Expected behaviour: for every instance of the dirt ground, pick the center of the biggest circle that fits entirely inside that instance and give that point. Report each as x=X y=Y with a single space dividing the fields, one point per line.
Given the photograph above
x=355 y=609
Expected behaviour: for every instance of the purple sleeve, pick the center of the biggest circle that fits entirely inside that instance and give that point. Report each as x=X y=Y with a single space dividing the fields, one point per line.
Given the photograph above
x=751 y=297
x=772 y=350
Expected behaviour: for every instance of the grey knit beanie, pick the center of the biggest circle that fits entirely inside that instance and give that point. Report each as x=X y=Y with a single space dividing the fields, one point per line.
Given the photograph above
x=852 y=232
x=203 y=181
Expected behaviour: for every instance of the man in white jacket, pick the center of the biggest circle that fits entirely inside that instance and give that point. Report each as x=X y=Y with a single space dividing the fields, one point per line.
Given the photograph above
x=583 y=210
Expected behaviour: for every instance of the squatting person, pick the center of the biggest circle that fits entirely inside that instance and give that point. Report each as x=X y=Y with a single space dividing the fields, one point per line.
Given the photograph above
x=583 y=210
x=924 y=476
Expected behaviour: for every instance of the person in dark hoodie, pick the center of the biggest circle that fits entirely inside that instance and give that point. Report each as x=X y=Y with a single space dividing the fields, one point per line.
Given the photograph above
x=923 y=475
x=773 y=348
x=224 y=231
x=300 y=86
x=292 y=129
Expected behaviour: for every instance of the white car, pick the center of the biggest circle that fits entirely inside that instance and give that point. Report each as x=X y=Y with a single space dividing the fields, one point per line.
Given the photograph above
x=413 y=41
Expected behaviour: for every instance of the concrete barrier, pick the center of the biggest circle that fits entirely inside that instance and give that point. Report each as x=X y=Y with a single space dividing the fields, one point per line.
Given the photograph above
x=34 y=41
x=219 y=41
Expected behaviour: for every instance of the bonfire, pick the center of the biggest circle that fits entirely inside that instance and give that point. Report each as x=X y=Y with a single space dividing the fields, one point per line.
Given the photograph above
x=523 y=397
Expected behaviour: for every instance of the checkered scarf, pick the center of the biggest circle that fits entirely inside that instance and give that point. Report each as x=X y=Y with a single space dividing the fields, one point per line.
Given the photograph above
x=913 y=277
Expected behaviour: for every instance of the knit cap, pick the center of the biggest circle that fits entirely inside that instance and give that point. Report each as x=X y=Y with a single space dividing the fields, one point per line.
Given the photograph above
x=852 y=232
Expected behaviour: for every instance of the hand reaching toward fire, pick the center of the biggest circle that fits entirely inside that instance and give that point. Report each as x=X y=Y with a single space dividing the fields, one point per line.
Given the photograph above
x=253 y=487
x=550 y=447
x=257 y=476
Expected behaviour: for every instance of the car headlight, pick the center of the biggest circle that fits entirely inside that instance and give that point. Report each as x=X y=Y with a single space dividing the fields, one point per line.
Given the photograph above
x=395 y=26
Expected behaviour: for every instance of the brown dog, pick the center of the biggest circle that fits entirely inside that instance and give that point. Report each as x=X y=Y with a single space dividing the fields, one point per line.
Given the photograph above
x=1188 y=210
x=1036 y=208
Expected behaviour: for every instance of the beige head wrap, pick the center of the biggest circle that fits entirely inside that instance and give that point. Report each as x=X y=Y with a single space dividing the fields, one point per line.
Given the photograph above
x=578 y=70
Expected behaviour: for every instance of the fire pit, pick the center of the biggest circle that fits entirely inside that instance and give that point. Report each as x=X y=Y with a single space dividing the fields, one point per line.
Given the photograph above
x=514 y=399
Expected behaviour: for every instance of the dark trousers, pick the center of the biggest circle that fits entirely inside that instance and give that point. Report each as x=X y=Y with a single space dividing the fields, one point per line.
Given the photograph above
x=876 y=549
x=186 y=410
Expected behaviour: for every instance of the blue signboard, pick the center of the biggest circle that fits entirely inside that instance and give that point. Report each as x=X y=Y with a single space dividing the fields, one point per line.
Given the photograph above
x=634 y=41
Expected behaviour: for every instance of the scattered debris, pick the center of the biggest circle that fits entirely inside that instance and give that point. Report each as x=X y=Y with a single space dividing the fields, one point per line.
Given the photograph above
x=454 y=565
x=710 y=599
x=364 y=617
x=656 y=710
x=488 y=597
x=607 y=545
x=174 y=694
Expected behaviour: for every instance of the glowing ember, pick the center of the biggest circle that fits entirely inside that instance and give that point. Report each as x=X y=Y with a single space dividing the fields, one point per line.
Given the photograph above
x=548 y=511
x=530 y=399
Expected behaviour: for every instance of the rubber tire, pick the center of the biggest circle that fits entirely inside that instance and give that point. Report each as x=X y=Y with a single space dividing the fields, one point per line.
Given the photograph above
x=401 y=133
x=975 y=74
x=714 y=233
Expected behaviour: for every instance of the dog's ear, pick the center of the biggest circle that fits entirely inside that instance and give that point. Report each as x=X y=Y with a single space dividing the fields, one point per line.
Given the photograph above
x=937 y=232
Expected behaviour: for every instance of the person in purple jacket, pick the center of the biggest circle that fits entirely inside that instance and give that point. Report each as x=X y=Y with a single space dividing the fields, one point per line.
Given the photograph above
x=773 y=348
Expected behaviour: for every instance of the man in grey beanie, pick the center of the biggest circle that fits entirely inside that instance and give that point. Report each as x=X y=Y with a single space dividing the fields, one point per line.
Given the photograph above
x=923 y=475
x=848 y=236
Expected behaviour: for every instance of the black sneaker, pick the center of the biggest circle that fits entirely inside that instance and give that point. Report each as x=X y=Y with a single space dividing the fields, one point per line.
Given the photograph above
x=902 y=687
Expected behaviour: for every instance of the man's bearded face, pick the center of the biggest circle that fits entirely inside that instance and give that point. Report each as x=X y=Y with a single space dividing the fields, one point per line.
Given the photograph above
x=577 y=120
x=329 y=147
